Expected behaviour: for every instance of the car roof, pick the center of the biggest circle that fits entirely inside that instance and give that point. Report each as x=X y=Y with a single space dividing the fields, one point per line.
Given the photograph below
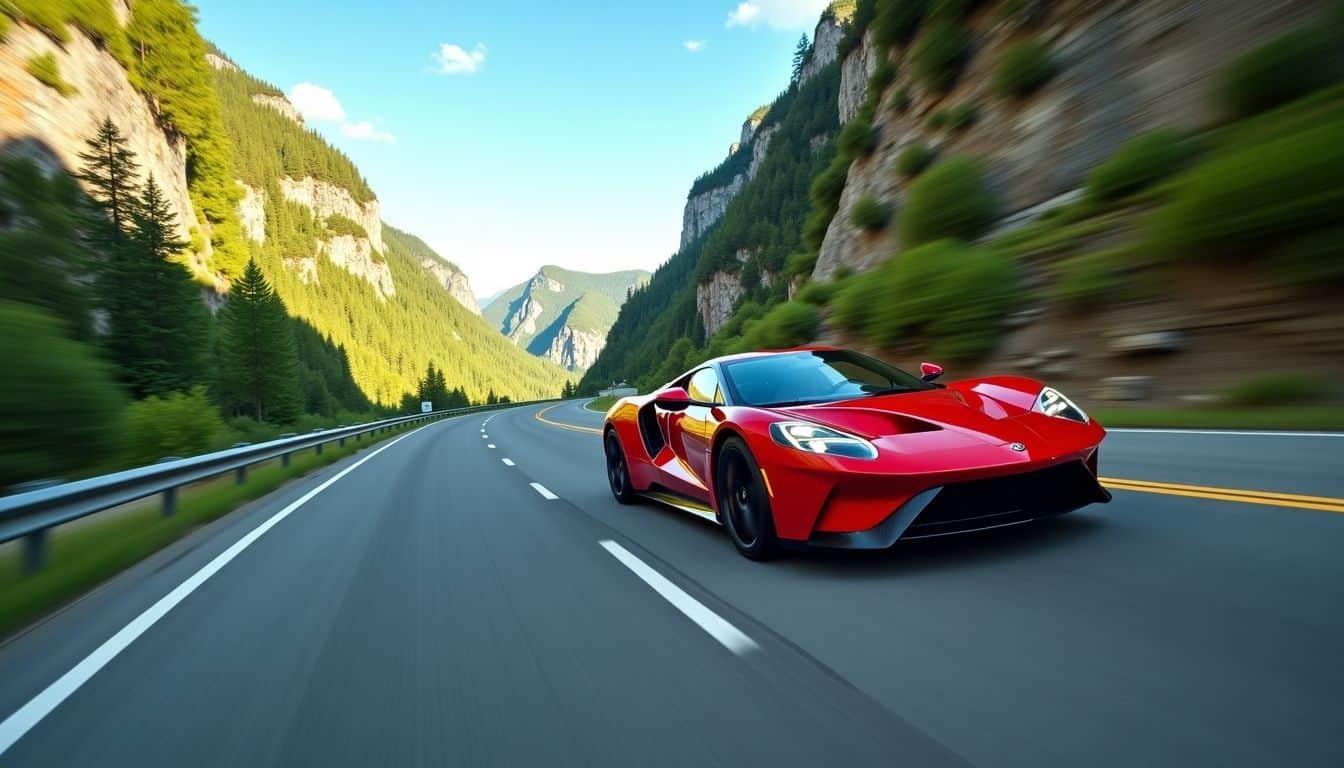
x=772 y=352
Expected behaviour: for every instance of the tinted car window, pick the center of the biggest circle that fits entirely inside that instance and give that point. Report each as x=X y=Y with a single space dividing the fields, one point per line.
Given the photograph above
x=814 y=377
x=704 y=386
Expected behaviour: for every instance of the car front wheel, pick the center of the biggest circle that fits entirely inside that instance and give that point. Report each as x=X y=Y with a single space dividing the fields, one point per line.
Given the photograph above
x=744 y=502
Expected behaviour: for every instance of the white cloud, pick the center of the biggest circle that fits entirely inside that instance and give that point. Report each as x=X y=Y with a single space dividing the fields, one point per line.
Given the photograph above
x=693 y=46
x=316 y=103
x=779 y=14
x=452 y=59
x=365 y=130
x=320 y=105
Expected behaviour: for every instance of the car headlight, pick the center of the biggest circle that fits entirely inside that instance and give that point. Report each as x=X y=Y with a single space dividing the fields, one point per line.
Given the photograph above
x=1052 y=402
x=814 y=438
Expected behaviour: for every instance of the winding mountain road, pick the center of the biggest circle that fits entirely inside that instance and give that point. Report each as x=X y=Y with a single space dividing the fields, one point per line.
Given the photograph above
x=470 y=594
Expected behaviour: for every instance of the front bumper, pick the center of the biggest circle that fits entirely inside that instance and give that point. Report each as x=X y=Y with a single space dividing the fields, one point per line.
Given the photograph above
x=974 y=505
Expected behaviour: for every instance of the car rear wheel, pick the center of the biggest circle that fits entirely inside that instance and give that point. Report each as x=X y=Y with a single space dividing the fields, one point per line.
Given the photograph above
x=744 y=502
x=618 y=472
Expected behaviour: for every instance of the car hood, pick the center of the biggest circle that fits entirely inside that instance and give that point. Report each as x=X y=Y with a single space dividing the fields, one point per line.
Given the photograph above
x=963 y=417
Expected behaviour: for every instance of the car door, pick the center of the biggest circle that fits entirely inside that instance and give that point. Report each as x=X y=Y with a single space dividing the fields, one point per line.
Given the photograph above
x=695 y=429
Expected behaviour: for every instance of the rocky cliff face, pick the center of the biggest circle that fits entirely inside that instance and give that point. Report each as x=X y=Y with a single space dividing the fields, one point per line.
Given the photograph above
x=279 y=104
x=857 y=67
x=825 y=45
x=325 y=199
x=563 y=315
x=716 y=299
x=574 y=349
x=31 y=109
x=357 y=256
x=1123 y=68
x=453 y=281
x=702 y=211
x=252 y=213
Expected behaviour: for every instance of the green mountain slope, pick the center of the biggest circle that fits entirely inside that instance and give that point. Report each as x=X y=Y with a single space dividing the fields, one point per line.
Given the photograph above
x=556 y=304
x=390 y=315
x=659 y=330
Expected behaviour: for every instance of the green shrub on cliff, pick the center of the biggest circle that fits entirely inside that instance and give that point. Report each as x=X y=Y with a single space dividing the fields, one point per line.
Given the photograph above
x=1022 y=68
x=1140 y=163
x=870 y=214
x=858 y=138
x=786 y=325
x=914 y=160
x=896 y=21
x=1249 y=200
x=1283 y=70
x=48 y=72
x=951 y=199
x=940 y=55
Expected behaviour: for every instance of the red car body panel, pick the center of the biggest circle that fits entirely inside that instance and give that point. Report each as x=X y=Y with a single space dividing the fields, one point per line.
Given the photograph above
x=970 y=430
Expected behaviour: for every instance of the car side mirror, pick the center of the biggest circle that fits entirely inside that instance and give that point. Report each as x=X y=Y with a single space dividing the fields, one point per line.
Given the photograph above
x=930 y=371
x=672 y=399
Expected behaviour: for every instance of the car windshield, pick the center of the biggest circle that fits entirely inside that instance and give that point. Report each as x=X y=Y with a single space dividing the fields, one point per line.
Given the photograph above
x=814 y=376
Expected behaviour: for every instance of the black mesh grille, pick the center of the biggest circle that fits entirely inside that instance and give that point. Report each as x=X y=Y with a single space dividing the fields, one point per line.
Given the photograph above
x=1003 y=500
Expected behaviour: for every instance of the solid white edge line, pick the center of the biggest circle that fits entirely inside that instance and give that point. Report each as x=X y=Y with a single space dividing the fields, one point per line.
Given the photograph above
x=544 y=491
x=29 y=715
x=507 y=462
x=730 y=636
x=1226 y=432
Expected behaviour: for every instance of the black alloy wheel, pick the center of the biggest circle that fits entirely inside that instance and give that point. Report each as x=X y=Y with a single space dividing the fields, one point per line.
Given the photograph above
x=618 y=473
x=744 y=502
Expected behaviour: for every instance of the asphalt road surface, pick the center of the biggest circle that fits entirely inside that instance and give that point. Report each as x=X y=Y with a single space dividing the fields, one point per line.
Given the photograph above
x=471 y=595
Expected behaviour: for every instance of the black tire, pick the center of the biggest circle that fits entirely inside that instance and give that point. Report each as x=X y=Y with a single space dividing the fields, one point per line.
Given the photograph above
x=618 y=472
x=744 y=502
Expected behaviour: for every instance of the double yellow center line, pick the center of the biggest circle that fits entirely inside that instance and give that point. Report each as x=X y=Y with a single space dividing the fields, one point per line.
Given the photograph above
x=1268 y=498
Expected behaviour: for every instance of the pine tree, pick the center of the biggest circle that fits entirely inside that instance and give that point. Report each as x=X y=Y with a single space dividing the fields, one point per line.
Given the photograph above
x=110 y=170
x=158 y=327
x=800 y=56
x=258 y=358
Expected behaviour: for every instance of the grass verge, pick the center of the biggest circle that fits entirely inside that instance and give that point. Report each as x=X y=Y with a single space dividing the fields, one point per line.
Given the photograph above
x=1303 y=417
x=92 y=551
x=601 y=404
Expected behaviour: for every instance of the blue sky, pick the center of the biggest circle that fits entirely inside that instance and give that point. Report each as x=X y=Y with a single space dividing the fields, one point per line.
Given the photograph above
x=515 y=134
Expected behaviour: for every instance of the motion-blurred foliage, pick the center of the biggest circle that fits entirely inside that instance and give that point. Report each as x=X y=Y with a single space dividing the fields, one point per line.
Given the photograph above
x=177 y=424
x=951 y=199
x=1141 y=162
x=947 y=294
x=75 y=420
x=1278 y=388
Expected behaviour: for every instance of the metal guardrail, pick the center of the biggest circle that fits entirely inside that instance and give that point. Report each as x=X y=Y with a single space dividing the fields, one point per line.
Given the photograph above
x=29 y=515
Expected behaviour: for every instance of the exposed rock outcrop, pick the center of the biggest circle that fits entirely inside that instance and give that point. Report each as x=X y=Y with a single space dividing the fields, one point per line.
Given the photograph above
x=30 y=109
x=453 y=281
x=575 y=349
x=825 y=46
x=219 y=62
x=705 y=209
x=854 y=73
x=326 y=199
x=252 y=213
x=523 y=320
x=279 y=104
x=716 y=299
x=356 y=256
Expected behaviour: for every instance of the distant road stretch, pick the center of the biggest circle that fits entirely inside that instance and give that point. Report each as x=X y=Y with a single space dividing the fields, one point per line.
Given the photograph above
x=471 y=595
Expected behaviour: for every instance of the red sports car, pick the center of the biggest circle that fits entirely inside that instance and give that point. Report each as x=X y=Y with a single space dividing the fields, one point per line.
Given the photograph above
x=828 y=447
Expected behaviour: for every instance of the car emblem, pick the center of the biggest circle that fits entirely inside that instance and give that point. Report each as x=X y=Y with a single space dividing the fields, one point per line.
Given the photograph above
x=1018 y=447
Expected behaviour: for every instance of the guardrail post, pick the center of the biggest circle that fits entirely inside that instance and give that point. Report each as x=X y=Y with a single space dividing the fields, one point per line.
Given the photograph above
x=34 y=551
x=319 y=449
x=169 y=502
x=341 y=442
x=284 y=459
x=240 y=475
